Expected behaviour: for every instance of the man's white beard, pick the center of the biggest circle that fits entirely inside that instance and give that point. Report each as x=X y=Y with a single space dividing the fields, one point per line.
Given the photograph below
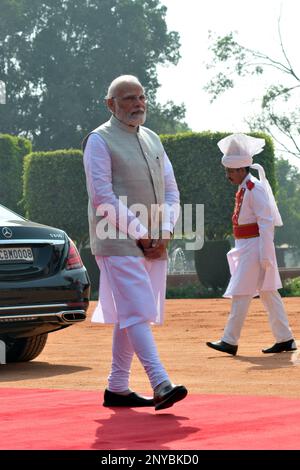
x=139 y=120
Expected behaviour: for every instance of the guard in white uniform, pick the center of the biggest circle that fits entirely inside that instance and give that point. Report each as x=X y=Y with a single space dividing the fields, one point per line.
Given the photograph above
x=129 y=177
x=252 y=261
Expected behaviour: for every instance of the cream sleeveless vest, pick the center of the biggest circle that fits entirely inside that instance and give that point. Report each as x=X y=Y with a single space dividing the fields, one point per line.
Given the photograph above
x=137 y=159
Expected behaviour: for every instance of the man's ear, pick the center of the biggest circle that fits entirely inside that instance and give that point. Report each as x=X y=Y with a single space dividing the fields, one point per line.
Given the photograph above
x=110 y=103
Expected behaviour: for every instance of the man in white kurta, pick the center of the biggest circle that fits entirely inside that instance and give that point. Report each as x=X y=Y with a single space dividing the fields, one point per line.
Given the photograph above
x=122 y=159
x=252 y=261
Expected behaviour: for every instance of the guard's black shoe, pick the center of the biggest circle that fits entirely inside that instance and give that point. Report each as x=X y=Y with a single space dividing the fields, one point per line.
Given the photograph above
x=132 y=400
x=168 y=395
x=289 y=345
x=223 y=347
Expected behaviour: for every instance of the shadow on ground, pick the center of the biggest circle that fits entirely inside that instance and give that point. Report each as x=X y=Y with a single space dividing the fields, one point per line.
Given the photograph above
x=269 y=362
x=144 y=430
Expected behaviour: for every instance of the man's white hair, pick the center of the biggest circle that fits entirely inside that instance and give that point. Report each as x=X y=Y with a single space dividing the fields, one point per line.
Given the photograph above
x=121 y=80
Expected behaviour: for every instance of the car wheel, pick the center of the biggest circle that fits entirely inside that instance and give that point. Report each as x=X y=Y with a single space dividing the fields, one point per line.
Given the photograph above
x=25 y=349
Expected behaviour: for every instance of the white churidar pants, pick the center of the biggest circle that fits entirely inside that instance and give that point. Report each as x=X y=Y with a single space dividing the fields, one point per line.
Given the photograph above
x=137 y=339
x=276 y=312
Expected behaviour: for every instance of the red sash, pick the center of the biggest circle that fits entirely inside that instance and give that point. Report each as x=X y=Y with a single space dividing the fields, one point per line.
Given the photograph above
x=246 y=231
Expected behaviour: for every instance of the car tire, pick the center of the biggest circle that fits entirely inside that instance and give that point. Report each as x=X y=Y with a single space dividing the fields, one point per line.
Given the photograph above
x=25 y=349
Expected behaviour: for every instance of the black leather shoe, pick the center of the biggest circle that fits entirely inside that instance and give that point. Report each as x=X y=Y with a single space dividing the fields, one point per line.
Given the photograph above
x=289 y=345
x=223 y=347
x=169 y=395
x=132 y=400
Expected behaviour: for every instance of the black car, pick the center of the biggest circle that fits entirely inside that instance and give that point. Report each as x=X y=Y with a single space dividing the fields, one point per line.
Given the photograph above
x=44 y=286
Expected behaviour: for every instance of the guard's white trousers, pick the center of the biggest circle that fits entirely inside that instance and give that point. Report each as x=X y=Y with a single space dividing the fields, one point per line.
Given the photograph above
x=136 y=339
x=277 y=317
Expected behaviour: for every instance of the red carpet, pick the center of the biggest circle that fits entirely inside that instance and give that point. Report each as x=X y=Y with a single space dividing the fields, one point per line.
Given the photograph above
x=63 y=419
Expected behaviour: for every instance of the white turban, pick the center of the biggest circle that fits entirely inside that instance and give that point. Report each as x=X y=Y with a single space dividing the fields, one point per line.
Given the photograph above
x=238 y=150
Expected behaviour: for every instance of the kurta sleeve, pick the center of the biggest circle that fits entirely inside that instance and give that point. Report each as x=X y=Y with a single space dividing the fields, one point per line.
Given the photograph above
x=172 y=201
x=262 y=210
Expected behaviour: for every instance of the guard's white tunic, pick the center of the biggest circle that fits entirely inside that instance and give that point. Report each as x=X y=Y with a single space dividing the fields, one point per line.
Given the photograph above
x=247 y=276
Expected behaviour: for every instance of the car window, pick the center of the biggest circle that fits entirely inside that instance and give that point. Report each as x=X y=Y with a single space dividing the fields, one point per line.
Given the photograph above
x=7 y=214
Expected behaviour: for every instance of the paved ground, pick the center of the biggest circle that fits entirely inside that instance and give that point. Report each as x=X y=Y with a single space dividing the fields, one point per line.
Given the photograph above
x=79 y=357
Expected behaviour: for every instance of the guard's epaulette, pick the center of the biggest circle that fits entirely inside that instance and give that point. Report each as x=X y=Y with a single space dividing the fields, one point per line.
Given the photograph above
x=250 y=185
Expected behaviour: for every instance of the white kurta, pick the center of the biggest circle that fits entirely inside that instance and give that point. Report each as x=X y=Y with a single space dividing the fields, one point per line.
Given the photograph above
x=247 y=276
x=132 y=289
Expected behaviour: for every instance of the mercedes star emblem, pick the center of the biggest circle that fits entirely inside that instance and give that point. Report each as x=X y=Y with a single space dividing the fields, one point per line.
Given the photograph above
x=7 y=232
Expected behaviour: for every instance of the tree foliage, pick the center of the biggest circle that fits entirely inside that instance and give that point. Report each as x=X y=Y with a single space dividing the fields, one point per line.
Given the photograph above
x=288 y=199
x=279 y=117
x=58 y=57
x=167 y=118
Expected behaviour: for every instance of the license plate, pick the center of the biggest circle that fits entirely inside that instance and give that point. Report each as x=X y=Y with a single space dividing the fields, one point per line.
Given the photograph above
x=23 y=255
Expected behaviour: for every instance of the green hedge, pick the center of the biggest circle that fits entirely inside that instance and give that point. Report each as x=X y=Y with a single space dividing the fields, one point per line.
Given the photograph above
x=291 y=288
x=196 y=159
x=55 y=191
x=211 y=264
x=192 y=291
x=12 y=152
